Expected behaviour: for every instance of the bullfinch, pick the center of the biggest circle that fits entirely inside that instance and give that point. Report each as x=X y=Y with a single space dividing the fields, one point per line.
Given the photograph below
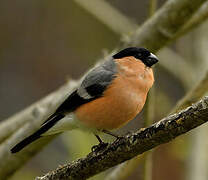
x=109 y=96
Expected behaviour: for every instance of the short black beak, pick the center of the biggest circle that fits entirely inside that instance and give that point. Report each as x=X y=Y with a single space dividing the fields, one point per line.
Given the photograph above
x=152 y=59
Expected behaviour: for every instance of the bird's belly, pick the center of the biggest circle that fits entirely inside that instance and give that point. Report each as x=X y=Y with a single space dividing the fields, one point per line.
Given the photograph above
x=111 y=112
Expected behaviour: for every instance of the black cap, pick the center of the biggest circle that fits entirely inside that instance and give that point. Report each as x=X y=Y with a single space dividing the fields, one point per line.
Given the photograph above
x=142 y=54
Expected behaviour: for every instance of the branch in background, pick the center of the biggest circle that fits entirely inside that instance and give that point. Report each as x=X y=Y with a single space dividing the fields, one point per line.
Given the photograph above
x=194 y=95
x=200 y=16
x=124 y=170
x=10 y=163
x=108 y=15
x=165 y=25
x=134 y=144
x=182 y=69
x=43 y=107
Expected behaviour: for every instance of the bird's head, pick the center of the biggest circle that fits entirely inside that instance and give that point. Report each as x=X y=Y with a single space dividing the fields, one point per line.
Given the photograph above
x=141 y=54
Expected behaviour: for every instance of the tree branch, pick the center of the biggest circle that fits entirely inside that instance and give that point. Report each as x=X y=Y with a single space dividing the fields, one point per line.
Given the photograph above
x=124 y=170
x=43 y=107
x=134 y=144
x=170 y=59
x=200 y=16
x=109 y=16
x=194 y=95
x=166 y=25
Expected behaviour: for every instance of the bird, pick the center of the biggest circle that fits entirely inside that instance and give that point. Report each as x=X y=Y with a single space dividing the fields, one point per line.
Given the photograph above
x=109 y=96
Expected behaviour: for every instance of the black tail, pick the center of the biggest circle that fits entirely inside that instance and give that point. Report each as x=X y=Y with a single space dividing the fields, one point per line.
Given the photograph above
x=36 y=135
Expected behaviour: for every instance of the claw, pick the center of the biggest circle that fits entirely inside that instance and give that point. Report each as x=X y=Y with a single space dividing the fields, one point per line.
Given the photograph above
x=111 y=134
x=99 y=147
x=119 y=138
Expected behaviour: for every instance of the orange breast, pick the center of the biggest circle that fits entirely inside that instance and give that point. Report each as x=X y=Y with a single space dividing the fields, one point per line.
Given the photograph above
x=123 y=99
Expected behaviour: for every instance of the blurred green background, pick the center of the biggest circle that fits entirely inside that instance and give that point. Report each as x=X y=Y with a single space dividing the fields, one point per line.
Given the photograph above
x=44 y=43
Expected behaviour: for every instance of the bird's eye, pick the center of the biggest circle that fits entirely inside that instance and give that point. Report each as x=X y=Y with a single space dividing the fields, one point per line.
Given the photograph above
x=139 y=54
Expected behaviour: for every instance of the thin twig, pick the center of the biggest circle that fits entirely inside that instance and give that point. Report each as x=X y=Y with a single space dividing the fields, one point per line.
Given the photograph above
x=108 y=15
x=194 y=95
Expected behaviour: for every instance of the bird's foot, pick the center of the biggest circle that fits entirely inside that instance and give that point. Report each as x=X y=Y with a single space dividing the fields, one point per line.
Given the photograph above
x=99 y=147
x=118 y=137
x=112 y=134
